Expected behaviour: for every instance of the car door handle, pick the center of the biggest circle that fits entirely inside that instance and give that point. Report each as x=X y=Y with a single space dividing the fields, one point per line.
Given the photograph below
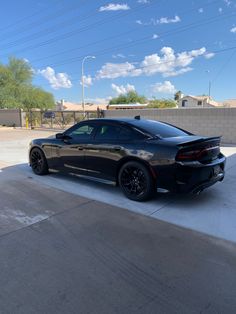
x=117 y=148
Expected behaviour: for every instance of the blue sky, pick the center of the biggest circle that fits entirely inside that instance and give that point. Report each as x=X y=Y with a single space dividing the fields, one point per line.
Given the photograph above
x=155 y=47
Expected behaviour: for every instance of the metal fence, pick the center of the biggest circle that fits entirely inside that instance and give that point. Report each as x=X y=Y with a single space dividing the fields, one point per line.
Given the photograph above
x=56 y=119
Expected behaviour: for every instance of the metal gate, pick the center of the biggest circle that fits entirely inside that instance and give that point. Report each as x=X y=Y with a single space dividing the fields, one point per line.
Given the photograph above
x=57 y=119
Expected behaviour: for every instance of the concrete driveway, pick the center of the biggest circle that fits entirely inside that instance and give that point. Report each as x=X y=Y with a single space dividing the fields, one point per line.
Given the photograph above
x=63 y=251
x=213 y=212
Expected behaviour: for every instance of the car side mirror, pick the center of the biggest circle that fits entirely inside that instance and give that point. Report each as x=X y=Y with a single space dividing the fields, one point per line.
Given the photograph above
x=62 y=136
x=59 y=136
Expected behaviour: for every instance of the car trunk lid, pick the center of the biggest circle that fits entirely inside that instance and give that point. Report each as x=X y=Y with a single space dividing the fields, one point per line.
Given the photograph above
x=194 y=148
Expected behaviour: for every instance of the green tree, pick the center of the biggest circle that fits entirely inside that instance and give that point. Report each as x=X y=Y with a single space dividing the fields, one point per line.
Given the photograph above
x=16 y=89
x=161 y=103
x=131 y=97
x=177 y=95
x=20 y=70
x=35 y=97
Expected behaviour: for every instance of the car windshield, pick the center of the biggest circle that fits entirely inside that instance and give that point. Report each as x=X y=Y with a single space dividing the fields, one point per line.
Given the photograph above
x=159 y=129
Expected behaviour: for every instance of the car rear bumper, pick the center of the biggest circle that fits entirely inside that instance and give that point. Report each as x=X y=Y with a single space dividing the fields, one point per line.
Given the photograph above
x=192 y=177
x=204 y=185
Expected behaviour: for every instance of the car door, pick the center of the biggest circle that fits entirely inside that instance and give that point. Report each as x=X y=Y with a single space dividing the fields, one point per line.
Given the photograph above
x=103 y=152
x=71 y=151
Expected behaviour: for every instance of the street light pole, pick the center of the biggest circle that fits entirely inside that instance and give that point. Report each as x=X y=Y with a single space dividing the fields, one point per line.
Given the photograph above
x=82 y=81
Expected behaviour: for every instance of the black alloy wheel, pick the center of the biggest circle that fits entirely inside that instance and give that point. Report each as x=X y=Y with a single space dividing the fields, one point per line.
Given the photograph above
x=38 y=162
x=136 y=181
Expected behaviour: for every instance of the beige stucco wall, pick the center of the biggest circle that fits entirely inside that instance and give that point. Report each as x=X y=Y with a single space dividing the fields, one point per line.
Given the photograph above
x=10 y=117
x=202 y=121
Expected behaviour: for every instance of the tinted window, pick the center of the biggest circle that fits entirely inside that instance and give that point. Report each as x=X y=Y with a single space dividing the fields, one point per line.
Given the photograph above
x=129 y=134
x=81 y=131
x=159 y=129
x=107 y=132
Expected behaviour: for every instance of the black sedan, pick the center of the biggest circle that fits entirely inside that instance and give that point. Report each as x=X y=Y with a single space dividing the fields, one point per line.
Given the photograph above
x=138 y=155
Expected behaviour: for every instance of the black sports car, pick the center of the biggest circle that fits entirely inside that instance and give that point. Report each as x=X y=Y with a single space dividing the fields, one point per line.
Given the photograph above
x=138 y=155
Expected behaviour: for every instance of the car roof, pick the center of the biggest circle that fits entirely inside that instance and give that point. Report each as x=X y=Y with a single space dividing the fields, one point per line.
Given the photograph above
x=138 y=123
x=135 y=122
x=126 y=120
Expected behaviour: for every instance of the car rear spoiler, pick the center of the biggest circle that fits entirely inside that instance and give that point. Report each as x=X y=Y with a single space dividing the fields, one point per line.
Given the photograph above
x=200 y=140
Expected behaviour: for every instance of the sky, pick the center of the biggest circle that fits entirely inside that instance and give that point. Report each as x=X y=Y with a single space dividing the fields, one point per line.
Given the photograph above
x=155 y=47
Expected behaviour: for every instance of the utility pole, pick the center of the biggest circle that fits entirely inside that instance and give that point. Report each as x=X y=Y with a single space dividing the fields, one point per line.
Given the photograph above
x=209 y=89
x=82 y=81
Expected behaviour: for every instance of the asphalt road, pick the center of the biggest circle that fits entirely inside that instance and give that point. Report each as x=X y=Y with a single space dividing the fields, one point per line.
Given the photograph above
x=65 y=253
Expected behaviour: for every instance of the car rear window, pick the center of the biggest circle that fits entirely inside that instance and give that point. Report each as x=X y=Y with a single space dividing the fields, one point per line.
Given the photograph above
x=159 y=129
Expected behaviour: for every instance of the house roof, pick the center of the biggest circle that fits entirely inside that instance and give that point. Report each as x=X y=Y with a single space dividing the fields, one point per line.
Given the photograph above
x=69 y=106
x=197 y=97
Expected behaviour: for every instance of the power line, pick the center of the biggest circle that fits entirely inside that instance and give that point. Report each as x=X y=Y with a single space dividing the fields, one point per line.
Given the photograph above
x=85 y=46
x=124 y=33
x=27 y=17
x=141 y=40
x=160 y=63
x=85 y=28
x=223 y=67
x=166 y=33
x=47 y=30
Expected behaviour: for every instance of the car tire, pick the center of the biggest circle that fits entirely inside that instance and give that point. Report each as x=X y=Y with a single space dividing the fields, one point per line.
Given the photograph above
x=136 y=181
x=38 y=162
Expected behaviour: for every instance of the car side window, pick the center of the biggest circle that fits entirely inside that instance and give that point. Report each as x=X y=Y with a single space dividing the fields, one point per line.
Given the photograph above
x=107 y=132
x=82 y=131
x=130 y=134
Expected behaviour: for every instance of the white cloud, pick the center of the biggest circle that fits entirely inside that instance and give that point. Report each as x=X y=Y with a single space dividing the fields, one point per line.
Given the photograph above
x=155 y=36
x=164 y=88
x=166 y=63
x=114 y=7
x=209 y=55
x=59 y=80
x=177 y=72
x=122 y=89
x=162 y=20
x=200 y=10
x=143 y=1
x=118 y=55
x=227 y=2
x=88 y=81
x=220 y=10
x=165 y=20
x=114 y=70
x=233 y=30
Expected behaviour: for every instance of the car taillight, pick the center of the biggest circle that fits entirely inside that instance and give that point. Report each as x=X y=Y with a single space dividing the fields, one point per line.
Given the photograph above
x=188 y=155
x=208 y=152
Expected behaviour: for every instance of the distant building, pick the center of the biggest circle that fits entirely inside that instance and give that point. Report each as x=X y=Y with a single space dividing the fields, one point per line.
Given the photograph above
x=69 y=106
x=197 y=102
x=229 y=103
x=127 y=106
